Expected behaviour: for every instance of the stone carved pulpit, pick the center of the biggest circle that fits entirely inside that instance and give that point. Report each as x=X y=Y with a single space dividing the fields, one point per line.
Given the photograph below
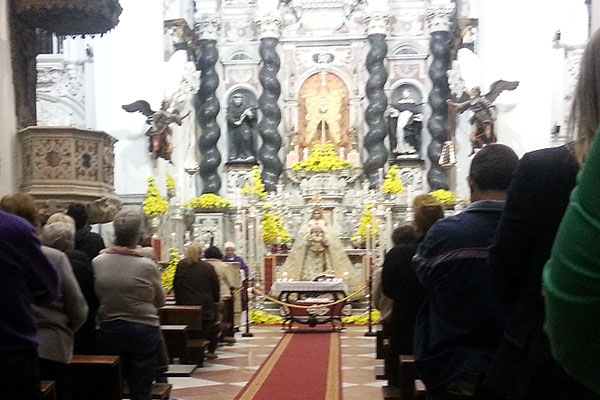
x=63 y=165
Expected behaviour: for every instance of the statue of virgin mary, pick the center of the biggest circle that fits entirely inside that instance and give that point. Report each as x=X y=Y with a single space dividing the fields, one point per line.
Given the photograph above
x=317 y=251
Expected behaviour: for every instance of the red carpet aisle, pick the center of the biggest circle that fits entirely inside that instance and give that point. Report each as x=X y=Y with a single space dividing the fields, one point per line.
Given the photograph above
x=302 y=366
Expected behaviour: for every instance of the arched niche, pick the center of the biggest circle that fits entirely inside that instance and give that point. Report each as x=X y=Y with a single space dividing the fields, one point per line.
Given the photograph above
x=323 y=111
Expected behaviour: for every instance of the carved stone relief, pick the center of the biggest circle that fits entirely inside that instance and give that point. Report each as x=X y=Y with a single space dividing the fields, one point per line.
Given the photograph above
x=240 y=29
x=60 y=92
x=415 y=70
x=236 y=180
x=208 y=26
x=320 y=17
x=439 y=17
x=87 y=160
x=408 y=23
x=64 y=165
x=268 y=24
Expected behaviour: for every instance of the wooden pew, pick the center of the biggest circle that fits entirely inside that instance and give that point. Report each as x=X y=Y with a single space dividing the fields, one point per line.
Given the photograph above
x=191 y=316
x=409 y=387
x=407 y=377
x=176 y=340
x=96 y=377
x=160 y=391
x=420 y=390
x=48 y=389
x=182 y=315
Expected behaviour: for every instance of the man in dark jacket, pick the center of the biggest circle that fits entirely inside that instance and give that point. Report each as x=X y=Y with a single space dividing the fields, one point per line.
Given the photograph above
x=458 y=328
x=89 y=242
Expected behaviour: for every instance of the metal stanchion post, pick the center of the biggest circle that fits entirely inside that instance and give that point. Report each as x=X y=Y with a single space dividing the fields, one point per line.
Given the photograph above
x=370 y=332
x=247 y=333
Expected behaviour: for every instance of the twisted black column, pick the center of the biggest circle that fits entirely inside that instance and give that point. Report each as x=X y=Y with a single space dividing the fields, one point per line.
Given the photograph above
x=439 y=46
x=373 y=141
x=208 y=108
x=268 y=154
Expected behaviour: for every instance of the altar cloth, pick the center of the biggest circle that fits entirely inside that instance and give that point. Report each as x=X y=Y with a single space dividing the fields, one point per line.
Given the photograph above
x=308 y=286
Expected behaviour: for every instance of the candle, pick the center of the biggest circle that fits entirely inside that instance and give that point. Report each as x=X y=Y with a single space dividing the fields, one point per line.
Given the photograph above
x=244 y=235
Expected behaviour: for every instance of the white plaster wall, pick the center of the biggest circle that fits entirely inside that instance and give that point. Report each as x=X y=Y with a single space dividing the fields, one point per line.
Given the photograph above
x=129 y=67
x=517 y=45
x=8 y=127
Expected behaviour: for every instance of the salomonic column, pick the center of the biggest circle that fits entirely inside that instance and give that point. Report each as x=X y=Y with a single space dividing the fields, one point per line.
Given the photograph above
x=439 y=19
x=268 y=23
x=377 y=154
x=208 y=107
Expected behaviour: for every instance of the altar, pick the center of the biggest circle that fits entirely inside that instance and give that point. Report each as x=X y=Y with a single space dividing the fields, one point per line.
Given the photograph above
x=312 y=303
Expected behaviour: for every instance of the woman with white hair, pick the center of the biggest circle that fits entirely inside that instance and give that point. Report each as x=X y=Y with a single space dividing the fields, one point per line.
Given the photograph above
x=58 y=321
x=130 y=291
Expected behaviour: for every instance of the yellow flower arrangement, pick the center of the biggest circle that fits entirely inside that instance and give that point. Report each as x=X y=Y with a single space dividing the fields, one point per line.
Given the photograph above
x=393 y=184
x=255 y=185
x=322 y=158
x=154 y=205
x=273 y=227
x=208 y=201
x=362 y=319
x=259 y=317
x=170 y=186
x=168 y=274
x=445 y=197
x=366 y=226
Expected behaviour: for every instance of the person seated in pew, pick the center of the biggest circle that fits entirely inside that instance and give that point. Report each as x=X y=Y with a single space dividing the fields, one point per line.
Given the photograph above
x=130 y=291
x=196 y=284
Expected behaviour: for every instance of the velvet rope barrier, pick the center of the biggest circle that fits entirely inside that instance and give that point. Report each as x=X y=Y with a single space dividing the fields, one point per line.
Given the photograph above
x=283 y=303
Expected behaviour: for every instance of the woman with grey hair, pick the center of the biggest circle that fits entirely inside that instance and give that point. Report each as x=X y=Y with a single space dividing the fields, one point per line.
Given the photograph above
x=85 y=337
x=58 y=321
x=130 y=291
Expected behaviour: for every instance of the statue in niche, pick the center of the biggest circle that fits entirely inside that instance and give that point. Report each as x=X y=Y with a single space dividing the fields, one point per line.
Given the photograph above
x=316 y=251
x=241 y=126
x=484 y=112
x=159 y=132
x=406 y=125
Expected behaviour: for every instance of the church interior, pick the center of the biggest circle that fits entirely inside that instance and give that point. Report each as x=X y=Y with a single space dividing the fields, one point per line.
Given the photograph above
x=294 y=140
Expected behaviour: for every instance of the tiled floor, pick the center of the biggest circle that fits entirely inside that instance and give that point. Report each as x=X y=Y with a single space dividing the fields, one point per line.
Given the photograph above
x=224 y=378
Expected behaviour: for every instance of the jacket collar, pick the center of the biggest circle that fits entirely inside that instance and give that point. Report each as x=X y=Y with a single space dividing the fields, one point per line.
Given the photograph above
x=486 y=205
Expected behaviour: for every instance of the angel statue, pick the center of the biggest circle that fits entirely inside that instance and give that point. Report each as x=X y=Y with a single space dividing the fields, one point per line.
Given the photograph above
x=159 y=132
x=484 y=112
x=317 y=251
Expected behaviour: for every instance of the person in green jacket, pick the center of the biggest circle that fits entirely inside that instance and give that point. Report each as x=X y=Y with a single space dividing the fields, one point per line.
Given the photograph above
x=572 y=275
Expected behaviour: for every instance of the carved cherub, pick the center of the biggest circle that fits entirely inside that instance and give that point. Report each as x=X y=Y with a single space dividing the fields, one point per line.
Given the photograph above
x=159 y=132
x=484 y=112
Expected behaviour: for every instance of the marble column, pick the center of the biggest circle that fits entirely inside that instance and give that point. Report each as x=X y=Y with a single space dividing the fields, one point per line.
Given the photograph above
x=269 y=25
x=208 y=27
x=439 y=19
x=8 y=113
x=377 y=154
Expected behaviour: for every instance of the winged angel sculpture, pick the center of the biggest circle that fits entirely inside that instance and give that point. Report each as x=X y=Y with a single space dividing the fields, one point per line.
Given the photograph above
x=159 y=132
x=484 y=111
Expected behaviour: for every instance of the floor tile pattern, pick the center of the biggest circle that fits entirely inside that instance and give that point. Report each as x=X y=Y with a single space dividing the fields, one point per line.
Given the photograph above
x=223 y=378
